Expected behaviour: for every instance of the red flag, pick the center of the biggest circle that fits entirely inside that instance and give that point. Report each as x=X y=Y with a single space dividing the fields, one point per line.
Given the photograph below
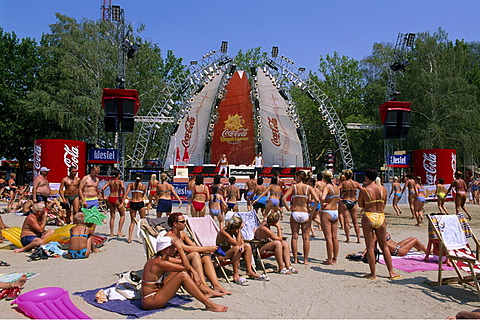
x=186 y=156
x=178 y=155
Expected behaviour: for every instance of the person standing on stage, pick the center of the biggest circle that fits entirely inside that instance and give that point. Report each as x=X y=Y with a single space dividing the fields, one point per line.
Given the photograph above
x=258 y=163
x=223 y=164
x=41 y=186
x=69 y=193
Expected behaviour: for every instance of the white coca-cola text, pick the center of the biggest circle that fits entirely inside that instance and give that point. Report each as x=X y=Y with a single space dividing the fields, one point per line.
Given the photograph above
x=37 y=159
x=273 y=123
x=70 y=156
x=430 y=166
x=189 y=125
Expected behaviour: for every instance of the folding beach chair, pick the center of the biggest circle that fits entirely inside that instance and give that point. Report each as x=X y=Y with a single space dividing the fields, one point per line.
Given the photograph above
x=251 y=223
x=148 y=236
x=452 y=231
x=204 y=233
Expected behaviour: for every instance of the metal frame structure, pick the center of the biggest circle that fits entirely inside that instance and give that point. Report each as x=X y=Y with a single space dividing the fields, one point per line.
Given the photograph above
x=284 y=68
x=173 y=102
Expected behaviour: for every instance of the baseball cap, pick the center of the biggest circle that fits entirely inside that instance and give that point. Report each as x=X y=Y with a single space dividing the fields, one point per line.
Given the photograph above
x=163 y=243
x=42 y=169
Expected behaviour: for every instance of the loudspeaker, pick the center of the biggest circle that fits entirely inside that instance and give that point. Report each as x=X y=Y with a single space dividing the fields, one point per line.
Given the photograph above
x=128 y=121
x=111 y=115
x=397 y=124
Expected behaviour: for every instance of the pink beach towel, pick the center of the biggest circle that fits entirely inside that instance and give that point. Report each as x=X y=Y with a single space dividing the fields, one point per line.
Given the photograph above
x=414 y=262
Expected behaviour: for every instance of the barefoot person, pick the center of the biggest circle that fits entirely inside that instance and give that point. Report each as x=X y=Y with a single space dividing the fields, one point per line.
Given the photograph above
x=152 y=191
x=403 y=247
x=397 y=194
x=200 y=195
x=12 y=192
x=274 y=192
x=250 y=186
x=69 y=193
x=373 y=199
x=41 y=187
x=223 y=164
x=271 y=241
x=215 y=205
x=441 y=193
x=419 y=201
x=136 y=203
x=164 y=193
x=232 y=194
x=162 y=278
x=88 y=189
x=11 y=290
x=115 y=202
x=199 y=257
x=460 y=187
x=81 y=241
x=410 y=185
x=329 y=217
x=301 y=194
x=348 y=206
x=33 y=229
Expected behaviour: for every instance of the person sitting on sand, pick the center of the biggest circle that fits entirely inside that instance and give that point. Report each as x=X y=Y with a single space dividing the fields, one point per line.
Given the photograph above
x=269 y=241
x=33 y=229
x=200 y=257
x=403 y=247
x=162 y=277
x=81 y=241
x=11 y=290
x=373 y=199
x=230 y=240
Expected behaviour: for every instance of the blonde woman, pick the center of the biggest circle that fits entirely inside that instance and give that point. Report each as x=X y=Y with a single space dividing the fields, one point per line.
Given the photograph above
x=397 y=194
x=441 y=193
x=329 y=217
x=152 y=191
x=420 y=199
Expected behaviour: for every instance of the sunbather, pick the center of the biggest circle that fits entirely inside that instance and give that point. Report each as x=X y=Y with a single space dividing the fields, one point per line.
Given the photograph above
x=81 y=241
x=162 y=277
x=269 y=241
x=34 y=233
x=475 y=314
x=231 y=241
x=11 y=290
x=199 y=257
x=403 y=247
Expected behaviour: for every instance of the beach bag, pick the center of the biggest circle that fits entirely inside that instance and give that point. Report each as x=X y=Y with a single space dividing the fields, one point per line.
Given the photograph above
x=129 y=285
x=377 y=256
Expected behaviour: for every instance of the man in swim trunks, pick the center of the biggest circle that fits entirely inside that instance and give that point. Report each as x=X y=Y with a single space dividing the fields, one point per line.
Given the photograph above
x=69 y=193
x=373 y=199
x=33 y=229
x=41 y=187
x=88 y=189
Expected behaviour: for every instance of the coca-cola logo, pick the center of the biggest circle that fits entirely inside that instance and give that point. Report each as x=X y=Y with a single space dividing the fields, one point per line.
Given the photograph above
x=70 y=156
x=454 y=165
x=273 y=123
x=189 y=125
x=234 y=136
x=430 y=166
x=37 y=159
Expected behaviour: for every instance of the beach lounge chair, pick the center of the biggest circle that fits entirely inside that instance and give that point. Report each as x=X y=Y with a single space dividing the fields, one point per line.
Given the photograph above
x=251 y=223
x=149 y=236
x=203 y=231
x=453 y=231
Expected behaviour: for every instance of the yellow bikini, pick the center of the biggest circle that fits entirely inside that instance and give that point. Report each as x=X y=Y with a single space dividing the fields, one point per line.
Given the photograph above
x=376 y=218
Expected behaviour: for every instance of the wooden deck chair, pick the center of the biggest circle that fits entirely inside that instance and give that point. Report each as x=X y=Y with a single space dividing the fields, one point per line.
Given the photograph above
x=452 y=231
x=204 y=233
x=251 y=223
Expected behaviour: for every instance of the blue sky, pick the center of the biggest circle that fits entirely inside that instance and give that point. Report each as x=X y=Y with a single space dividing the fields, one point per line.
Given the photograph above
x=302 y=29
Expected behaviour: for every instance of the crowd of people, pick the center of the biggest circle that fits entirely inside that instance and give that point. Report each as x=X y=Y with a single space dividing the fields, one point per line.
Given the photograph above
x=180 y=262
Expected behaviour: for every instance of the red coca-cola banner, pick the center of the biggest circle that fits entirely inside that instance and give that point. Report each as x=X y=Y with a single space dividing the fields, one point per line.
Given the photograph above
x=59 y=155
x=432 y=164
x=233 y=134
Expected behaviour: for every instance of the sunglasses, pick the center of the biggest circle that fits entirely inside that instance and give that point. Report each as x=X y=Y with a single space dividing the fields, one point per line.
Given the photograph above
x=183 y=221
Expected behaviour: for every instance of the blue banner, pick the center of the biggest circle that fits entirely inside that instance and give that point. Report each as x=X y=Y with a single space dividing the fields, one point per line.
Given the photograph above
x=103 y=156
x=399 y=161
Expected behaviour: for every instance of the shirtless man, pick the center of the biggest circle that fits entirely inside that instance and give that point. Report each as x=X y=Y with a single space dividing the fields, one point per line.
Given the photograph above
x=33 y=229
x=69 y=193
x=460 y=193
x=41 y=187
x=88 y=189
x=410 y=184
x=250 y=186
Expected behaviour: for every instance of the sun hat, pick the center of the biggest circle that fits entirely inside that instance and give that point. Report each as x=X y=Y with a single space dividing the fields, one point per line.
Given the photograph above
x=43 y=169
x=163 y=243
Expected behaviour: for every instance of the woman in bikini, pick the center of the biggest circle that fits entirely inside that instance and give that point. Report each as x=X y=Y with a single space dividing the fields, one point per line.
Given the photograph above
x=215 y=205
x=259 y=202
x=373 y=199
x=81 y=241
x=403 y=247
x=115 y=202
x=410 y=185
x=274 y=192
x=136 y=203
x=152 y=191
x=316 y=210
x=441 y=193
x=348 y=205
x=163 y=275
x=190 y=187
x=230 y=240
x=12 y=193
x=301 y=194
x=164 y=193
x=199 y=257
x=233 y=195
x=397 y=194
x=329 y=217
x=271 y=241
x=460 y=187
x=199 y=197
x=420 y=199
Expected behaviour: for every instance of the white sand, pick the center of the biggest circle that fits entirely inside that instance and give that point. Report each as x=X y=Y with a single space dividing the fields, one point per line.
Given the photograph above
x=318 y=291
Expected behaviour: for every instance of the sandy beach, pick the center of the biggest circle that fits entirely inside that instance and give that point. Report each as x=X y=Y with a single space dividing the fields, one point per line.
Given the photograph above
x=318 y=291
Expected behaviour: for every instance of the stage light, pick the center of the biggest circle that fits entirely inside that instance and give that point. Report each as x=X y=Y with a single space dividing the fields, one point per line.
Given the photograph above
x=271 y=64
x=274 y=52
x=232 y=69
x=193 y=62
x=253 y=70
x=199 y=89
x=324 y=117
x=132 y=50
x=224 y=47
x=410 y=39
x=283 y=94
x=301 y=69
x=116 y=13
x=168 y=107
x=310 y=95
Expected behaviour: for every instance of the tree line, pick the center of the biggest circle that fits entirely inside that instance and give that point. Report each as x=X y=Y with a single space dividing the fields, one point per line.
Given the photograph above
x=52 y=89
